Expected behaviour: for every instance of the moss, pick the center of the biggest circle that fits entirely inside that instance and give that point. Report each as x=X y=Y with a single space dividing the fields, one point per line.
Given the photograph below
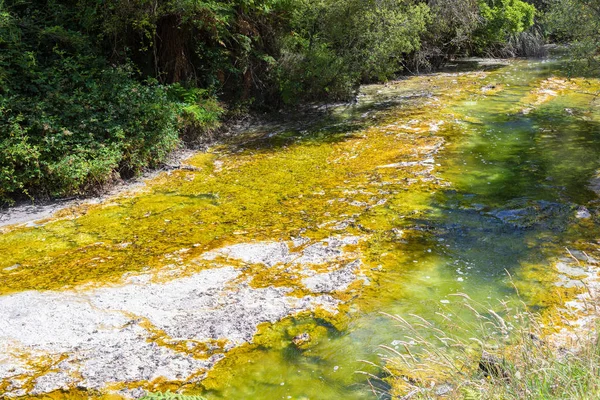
x=207 y=208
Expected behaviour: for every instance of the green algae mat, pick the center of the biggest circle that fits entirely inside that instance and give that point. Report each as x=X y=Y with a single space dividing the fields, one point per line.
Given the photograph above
x=263 y=271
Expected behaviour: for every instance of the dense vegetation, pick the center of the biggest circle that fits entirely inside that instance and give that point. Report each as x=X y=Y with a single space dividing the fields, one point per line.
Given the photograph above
x=94 y=90
x=577 y=23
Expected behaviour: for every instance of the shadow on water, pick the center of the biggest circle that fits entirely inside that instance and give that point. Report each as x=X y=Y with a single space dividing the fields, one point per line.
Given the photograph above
x=519 y=181
x=321 y=127
x=329 y=124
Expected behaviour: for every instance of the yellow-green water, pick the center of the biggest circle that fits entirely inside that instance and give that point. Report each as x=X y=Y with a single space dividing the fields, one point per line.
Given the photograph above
x=520 y=147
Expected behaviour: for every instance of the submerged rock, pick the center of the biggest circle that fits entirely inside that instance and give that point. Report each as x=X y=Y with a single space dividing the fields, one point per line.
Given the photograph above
x=535 y=213
x=594 y=184
x=583 y=213
x=301 y=339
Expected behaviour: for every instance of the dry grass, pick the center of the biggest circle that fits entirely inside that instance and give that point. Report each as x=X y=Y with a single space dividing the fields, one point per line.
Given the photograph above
x=504 y=353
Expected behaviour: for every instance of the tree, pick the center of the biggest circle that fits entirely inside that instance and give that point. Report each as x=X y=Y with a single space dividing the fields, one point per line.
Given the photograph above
x=336 y=44
x=449 y=32
x=577 y=22
x=501 y=19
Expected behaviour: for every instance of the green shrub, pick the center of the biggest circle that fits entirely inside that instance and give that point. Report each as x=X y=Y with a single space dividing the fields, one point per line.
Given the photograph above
x=449 y=33
x=501 y=19
x=92 y=90
x=337 y=44
x=69 y=122
x=575 y=22
x=199 y=112
x=79 y=127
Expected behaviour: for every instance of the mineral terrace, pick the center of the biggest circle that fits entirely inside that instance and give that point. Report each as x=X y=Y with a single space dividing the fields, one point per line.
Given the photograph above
x=145 y=328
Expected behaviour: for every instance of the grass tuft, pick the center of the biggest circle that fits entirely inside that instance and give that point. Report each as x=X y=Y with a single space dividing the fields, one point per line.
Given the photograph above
x=494 y=354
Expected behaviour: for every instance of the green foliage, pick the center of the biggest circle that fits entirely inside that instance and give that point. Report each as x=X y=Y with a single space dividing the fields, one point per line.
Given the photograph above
x=502 y=18
x=68 y=120
x=577 y=22
x=200 y=113
x=478 y=27
x=449 y=32
x=212 y=44
x=336 y=44
x=93 y=89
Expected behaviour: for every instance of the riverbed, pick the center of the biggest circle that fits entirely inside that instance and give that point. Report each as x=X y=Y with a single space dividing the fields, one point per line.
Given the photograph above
x=262 y=270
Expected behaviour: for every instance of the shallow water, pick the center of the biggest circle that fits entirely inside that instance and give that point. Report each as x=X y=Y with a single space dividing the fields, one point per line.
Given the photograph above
x=453 y=181
x=514 y=183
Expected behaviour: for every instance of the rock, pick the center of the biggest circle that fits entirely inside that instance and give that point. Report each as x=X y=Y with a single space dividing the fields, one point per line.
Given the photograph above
x=300 y=241
x=136 y=393
x=114 y=339
x=529 y=214
x=301 y=339
x=583 y=213
x=267 y=253
x=333 y=281
x=273 y=253
x=510 y=216
x=569 y=283
x=565 y=268
x=594 y=184
x=12 y=268
x=492 y=366
x=443 y=390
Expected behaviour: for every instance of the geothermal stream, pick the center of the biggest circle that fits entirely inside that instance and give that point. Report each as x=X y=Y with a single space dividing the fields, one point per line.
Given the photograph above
x=263 y=271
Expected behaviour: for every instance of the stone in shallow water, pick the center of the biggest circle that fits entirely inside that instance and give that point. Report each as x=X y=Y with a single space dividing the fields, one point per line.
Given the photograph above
x=583 y=213
x=594 y=184
x=12 y=268
x=530 y=214
x=510 y=215
x=301 y=339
